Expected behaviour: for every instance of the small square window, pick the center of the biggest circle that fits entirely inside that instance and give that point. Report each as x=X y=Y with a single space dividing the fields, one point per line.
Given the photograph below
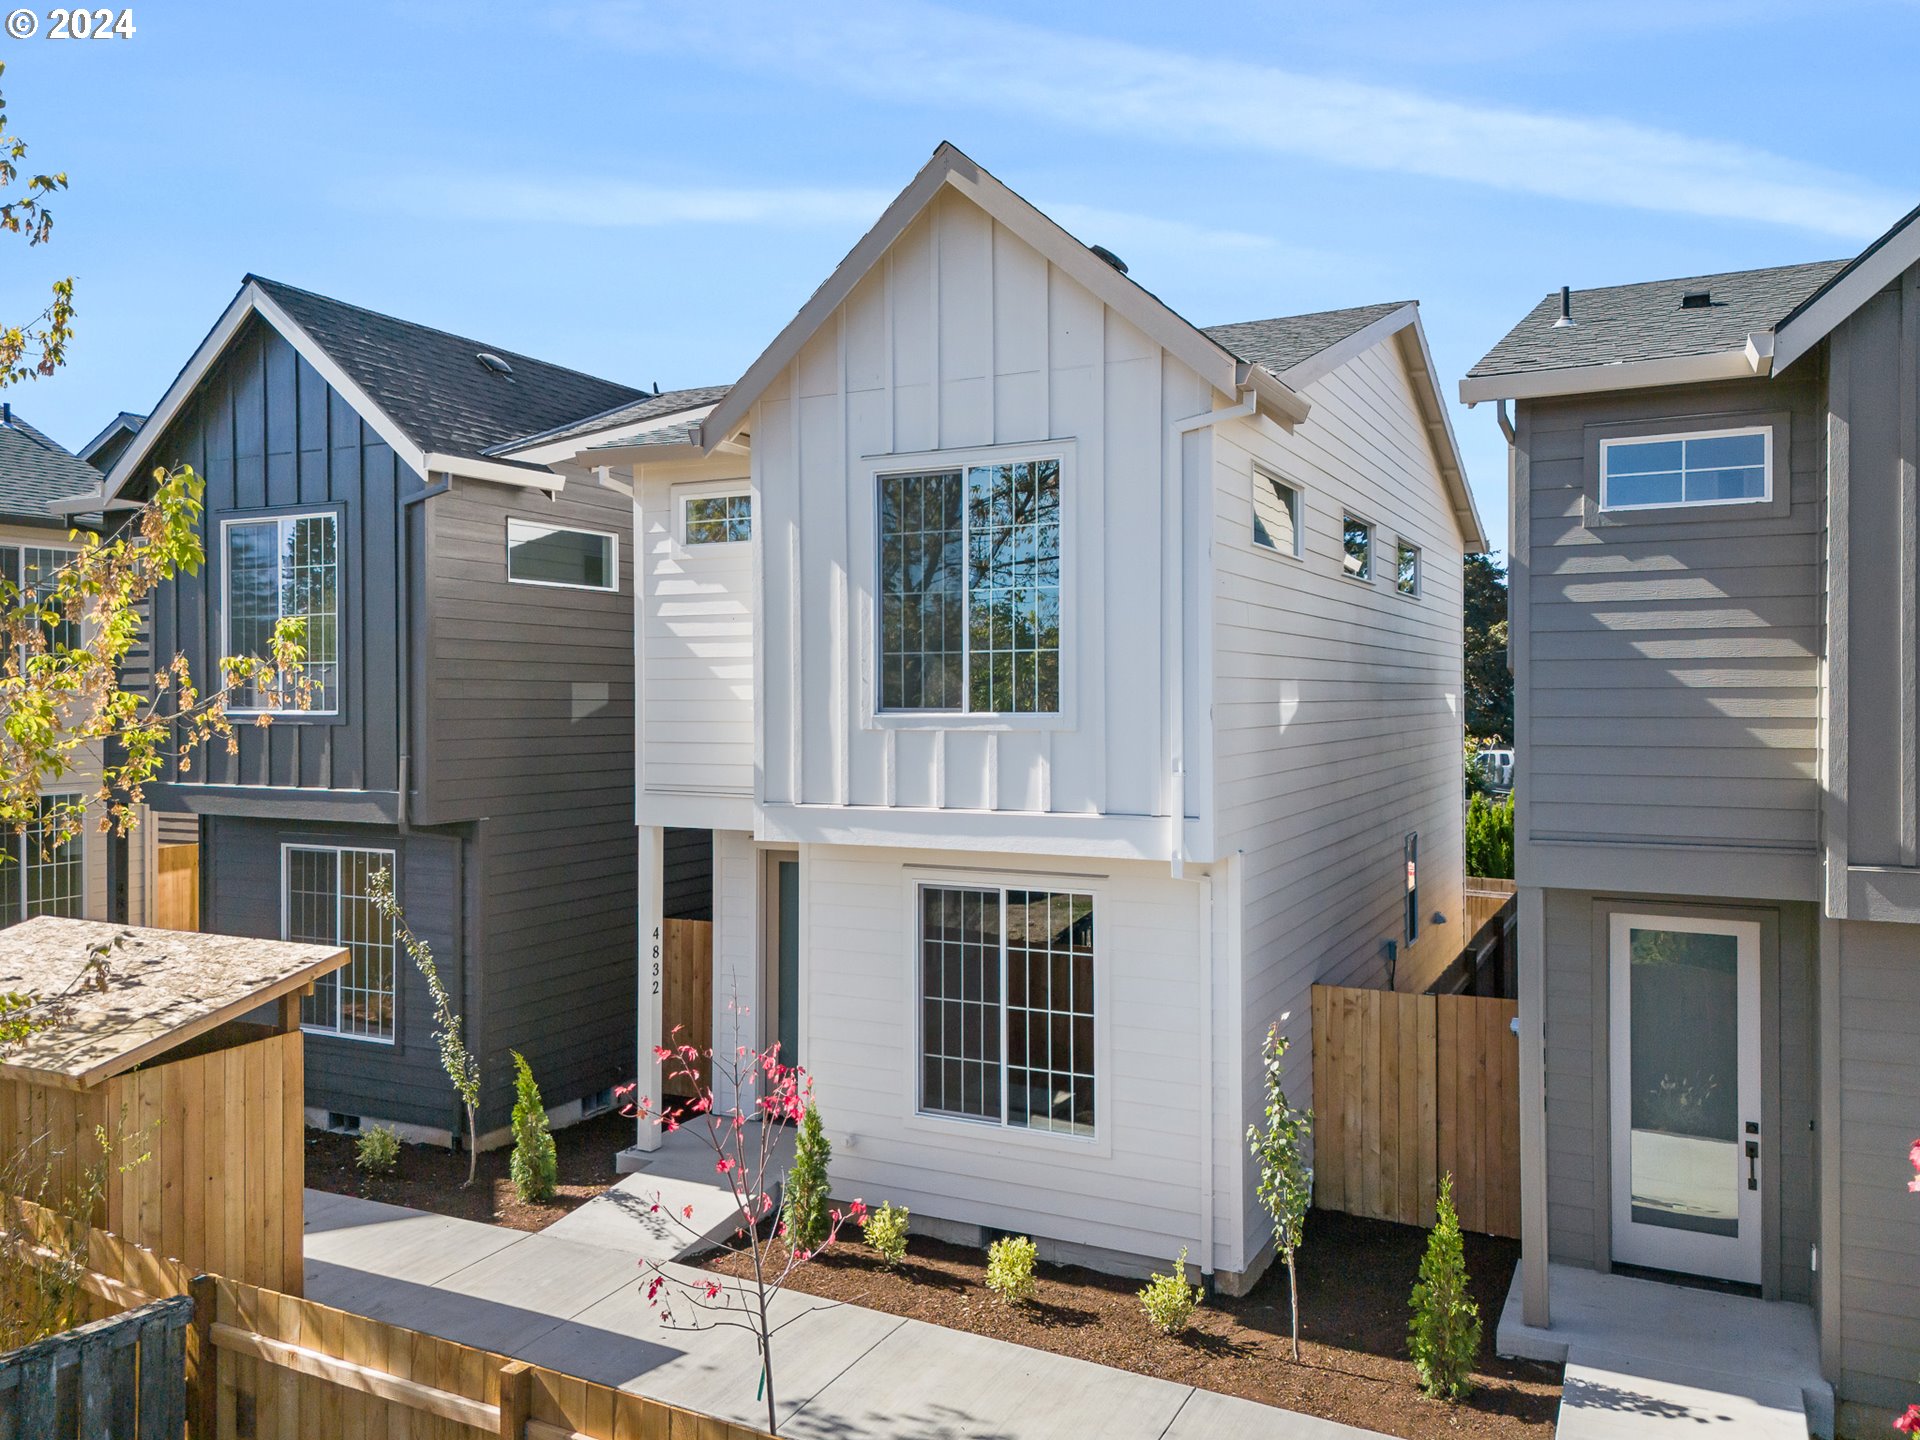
x=1406 y=572
x=719 y=519
x=1356 y=538
x=1276 y=514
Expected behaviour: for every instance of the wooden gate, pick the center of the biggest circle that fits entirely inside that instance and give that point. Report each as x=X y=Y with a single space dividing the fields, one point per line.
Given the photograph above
x=1407 y=1088
x=686 y=992
x=176 y=887
x=104 y=1381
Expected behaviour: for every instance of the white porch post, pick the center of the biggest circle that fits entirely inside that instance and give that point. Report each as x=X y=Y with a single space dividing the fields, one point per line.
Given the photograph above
x=652 y=979
x=1534 y=1306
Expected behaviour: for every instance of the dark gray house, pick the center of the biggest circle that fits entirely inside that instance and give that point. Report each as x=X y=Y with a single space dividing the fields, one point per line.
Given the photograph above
x=1717 y=712
x=470 y=625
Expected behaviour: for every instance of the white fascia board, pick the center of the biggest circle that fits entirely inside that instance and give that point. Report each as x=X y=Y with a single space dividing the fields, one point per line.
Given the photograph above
x=1592 y=379
x=1325 y=362
x=1110 y=837
x=617 y=454
x=467 y=467
x=1272 y=396
x=576 y=446
x=1418 y=359
x=1870 y=275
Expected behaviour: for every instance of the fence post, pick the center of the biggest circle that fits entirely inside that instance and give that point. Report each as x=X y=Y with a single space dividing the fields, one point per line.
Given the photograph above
x=204 y=1404
x=516 y=1399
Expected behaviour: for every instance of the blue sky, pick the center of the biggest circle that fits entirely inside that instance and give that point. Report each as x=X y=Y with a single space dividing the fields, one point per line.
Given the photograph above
x=649 y=190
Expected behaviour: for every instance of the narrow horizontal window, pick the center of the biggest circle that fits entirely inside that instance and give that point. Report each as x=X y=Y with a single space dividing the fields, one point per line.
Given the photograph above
x=328 y=900
x=718 y=519
x=285 y=568
x=1725 y=467
x=1276 y=514
x=1406 y=568
x=1356 y=541
x=549 y=555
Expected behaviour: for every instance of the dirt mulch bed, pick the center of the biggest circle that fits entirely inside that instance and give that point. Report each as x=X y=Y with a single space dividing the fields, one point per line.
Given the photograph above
x=1355 y=1277
x=430 y=1178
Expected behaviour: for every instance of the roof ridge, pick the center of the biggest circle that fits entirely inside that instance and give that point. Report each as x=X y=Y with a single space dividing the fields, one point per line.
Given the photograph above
x=1706 y=275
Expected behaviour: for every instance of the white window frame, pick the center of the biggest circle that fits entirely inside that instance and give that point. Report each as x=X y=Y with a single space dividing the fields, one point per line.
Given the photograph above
x=1066 y=718
x=286 y=908
x=14 y=871
x=1263 y=475
x=726 y=490
x=67 y=553
x=1400 y=542
x=288 y=517
x=548 y=527
x=1373 y=547
x=1765 y=497
x=992 y=1136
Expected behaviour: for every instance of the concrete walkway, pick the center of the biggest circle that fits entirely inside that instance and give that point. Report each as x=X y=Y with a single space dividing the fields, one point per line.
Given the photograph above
x=1647 y=1359
x=574 y=1304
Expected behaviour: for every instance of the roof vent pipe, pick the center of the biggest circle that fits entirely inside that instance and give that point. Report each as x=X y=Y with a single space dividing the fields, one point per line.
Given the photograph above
x=6 y=413
x=1566 y=308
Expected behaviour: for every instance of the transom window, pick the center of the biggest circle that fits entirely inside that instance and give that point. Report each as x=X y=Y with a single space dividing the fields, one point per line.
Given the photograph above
x=328 y=900
x=1276 y=514
x=1356 y=544
x=1007 y=1007
x=719 y=519
x=37 y=877
x=31 y=573
x=282 y=568
x=539 y=554
x=1406 y=568
x=1713 y=467
x=970 y=589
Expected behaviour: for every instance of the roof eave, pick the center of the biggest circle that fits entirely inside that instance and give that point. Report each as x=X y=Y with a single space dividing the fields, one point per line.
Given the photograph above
x=1822 y=312
x=587 y=444
x=1742 y=364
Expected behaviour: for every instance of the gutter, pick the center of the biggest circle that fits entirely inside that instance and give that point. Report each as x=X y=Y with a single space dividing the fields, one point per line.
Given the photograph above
x=1753 y=358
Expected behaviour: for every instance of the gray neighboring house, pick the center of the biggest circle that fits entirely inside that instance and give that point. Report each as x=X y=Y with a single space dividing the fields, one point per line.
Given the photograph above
x=1716 y=639
x=471 y=643
x=106 y=448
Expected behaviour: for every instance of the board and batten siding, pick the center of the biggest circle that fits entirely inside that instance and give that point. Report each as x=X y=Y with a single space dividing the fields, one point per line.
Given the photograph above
x=1673 y=675
x=529 y=725
x=268 y=433
x=964 y=336
x=1132 y=1192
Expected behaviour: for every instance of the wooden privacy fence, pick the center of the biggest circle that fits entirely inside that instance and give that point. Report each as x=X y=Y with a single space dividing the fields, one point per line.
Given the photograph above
x=114 y=1379
x=176 y=887
x=1407 y=1088
x=686 y=993
x=262 y=1365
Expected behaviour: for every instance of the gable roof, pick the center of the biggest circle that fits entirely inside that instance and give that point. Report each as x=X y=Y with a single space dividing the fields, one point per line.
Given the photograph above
x=635 y=418
x=126 y=423
x=1869 y=272
x=36 y=471
x=950 y=168
x=1288 y=340
x=425 y=392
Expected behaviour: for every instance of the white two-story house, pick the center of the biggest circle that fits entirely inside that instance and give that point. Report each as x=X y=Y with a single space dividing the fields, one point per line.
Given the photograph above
x=1065 y=689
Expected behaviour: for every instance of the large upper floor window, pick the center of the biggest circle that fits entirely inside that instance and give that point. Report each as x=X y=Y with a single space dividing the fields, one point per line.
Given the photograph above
x=282 y=568
x=1007 y=1007
x=540 y=554
x=327 y=899
x=1710 y=467
x=38 y=876
x=970 y=589
x=30 y=573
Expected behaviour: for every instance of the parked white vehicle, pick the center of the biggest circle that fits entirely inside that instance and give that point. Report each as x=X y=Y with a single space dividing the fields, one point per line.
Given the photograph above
x=1495 y=767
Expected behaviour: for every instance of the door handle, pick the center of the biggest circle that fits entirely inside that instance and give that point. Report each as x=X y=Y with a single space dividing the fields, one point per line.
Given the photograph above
x=1753 y=1160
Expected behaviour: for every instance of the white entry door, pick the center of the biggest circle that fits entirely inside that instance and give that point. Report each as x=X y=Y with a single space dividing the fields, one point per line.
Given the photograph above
x=1684 y=1056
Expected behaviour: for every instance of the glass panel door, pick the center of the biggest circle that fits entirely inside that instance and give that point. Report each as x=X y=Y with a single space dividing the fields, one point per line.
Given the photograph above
x=787 y=939
x=1684 y=1018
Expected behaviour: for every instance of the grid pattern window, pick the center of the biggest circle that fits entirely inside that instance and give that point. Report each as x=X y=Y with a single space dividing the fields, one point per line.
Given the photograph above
x=31 y=573
x=551 y=555
x=37 y=877
x=1406 y=568
x=329 y=901
x=1411 y=857
x=719 y=519
x=1276 y=514
x=1356 y=541
x=979 y=634
x=1035 y=947
x=1723 y=467
x=278 y=569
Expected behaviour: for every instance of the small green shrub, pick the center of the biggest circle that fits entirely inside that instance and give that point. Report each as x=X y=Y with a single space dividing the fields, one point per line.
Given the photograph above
x=377 y=1150
x=1169 y=1300
x=804 y=1206
x=1490 y=837
x=1445 y=1336
x=535 y=1168
x=885 y=1230
x=1010 y=1269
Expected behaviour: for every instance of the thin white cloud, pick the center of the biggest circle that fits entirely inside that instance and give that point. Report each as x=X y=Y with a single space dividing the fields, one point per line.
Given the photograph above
x=916 y=53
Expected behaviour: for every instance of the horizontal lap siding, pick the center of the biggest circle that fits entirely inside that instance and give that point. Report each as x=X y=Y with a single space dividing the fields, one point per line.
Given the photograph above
x=530 y=719
x=859 y=960
x=1336 y=714
x=1673 y=680
x=965 y=336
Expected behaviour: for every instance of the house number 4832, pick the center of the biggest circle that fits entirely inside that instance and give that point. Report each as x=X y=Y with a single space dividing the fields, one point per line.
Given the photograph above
x=656 y=959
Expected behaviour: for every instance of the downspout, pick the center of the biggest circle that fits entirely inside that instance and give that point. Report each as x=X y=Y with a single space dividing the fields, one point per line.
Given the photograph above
x=1506 y=420
x=1206 y=1084
x=404 y=690
x=1173 y=521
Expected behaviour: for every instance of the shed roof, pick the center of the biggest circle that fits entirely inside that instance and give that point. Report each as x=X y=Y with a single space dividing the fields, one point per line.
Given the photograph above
x=164 y=987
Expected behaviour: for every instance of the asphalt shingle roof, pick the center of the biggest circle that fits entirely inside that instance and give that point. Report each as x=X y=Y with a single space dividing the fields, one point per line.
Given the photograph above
x=1284 y=342
x=35 y=471
x=678 y=433
x=649 y=407
x=1620 y=324
x=434 y=388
